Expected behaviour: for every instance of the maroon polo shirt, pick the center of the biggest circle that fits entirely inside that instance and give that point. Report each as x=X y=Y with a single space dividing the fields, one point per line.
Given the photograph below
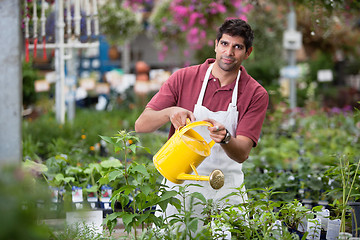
x=183 y=87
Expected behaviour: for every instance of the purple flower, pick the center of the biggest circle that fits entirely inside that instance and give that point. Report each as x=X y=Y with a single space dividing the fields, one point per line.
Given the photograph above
x=336 y=110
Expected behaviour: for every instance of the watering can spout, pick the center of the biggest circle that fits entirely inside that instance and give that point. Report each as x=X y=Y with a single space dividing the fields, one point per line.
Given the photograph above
x=216 y=178
x=182 y=153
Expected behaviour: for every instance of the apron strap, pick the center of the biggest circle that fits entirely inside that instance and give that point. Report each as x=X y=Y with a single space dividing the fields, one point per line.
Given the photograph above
x=235 y=92
x=203 y=88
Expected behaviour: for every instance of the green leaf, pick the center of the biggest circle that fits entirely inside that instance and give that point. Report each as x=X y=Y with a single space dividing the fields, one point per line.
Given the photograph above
x=69 y=179
x=193 y=225
x=146 y=149
x=112 y=216
x=104 y=179
x=168 y=194
x=111 y=163
x=92 y=188
x=132 y=147
x=73 y=170
x=146 y=189
x=143 y=217
x=92 y=168
x=116 y=174
x=199 y=196
x=59 y=177
x=141 y=169
x=128 y=217
x=31 y=165
x=127 y=189
x=107 y=139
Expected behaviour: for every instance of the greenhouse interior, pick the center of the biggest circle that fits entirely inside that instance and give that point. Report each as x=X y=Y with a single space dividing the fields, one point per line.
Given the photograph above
x=92 y=91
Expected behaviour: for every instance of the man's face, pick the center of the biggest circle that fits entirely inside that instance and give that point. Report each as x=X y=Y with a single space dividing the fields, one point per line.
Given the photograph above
x=230 y=52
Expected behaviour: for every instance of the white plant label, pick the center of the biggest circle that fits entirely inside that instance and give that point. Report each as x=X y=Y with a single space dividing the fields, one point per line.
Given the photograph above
x=314 y=229
x=333 y=229
x=324 y=217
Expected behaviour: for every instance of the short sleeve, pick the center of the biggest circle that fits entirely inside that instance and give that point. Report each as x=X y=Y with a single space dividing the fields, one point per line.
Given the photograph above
x=251 y=123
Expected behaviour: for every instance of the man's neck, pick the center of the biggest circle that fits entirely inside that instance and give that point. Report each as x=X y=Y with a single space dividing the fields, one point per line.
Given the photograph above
x=225 y=77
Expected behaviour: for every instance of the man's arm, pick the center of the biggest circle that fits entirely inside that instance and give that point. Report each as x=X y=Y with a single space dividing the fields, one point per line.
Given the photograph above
x=150 y=120
x=238 y=148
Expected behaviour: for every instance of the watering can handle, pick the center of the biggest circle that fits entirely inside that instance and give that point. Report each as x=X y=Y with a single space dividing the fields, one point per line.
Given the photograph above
x=190 y=125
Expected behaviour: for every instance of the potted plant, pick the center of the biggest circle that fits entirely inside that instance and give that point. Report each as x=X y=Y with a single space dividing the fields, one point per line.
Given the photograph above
x=119 y=24
x=346 y=175
x=139 y=190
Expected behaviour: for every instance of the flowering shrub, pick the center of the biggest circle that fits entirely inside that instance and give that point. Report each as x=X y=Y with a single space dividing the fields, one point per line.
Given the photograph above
x=192 y=24
x=118 y=22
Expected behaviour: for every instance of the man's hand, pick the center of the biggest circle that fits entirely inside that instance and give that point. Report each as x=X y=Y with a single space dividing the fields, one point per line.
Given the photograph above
x=150 y=120
x=217 y=132
x=179 y=115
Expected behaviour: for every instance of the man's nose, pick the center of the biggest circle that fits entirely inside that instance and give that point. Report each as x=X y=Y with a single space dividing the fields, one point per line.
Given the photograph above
x=230 y=51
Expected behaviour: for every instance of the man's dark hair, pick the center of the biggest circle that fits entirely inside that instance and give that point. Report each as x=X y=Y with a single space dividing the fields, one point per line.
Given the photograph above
x=237 y=27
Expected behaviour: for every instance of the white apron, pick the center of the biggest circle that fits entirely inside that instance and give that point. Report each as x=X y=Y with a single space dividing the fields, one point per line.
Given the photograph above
x=218 y=159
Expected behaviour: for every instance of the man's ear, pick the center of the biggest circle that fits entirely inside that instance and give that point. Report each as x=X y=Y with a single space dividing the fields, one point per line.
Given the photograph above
x=248 y=52
x=216 y=43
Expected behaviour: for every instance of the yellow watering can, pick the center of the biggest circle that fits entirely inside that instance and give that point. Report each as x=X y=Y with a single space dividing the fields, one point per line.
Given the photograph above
x=183 y=152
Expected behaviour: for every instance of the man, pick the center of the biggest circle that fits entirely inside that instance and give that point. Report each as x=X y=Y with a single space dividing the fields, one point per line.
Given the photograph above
x=221 y=92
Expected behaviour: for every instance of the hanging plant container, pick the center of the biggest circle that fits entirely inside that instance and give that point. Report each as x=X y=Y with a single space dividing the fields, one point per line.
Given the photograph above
x=119 y=23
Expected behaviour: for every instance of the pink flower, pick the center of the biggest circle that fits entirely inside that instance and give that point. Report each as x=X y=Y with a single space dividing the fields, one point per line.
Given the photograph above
x=203 y=34
x=162 y=52
x=180 y=10
x=221 y=8
x=192 y=19
x=183 y=27
x=202 y=20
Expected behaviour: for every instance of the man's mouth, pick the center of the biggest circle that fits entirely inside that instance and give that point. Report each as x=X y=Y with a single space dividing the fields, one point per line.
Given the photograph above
x=227 y=60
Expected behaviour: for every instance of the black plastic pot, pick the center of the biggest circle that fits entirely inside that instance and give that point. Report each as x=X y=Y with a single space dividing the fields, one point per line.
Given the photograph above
x=355 y=216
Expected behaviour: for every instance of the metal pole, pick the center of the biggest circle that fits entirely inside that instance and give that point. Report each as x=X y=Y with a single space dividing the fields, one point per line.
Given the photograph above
x=125 y=63
x=11 y=83
x=292 y=60
x=59 y=63
x=71 y=82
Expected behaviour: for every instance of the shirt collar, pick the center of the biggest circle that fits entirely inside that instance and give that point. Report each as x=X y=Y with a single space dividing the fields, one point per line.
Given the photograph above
x=244 y=77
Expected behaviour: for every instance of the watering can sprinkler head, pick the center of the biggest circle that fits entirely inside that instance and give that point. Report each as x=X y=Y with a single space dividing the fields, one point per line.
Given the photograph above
x=216 y=179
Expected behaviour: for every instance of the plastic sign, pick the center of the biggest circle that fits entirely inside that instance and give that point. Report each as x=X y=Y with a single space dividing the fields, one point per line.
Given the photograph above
x=325 y=75
x=290 y=72
x=292 y=40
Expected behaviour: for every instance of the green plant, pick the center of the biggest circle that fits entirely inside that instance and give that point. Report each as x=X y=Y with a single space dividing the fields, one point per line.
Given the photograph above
x=31 y=148
x=347 y=174
x=292 y=214
x=189 y=225
x=79 y=231
x=257 y=218
x=118 y=23
x=139 y=191
x=29 y=76
x=21 y=194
